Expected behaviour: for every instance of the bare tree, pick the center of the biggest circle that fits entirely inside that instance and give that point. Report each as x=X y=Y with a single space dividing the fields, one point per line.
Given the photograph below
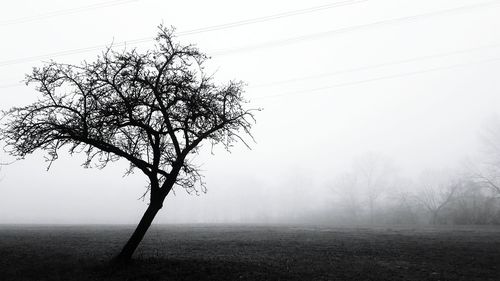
x=487 y=172
x=475 y=204
x=347 y=190
x=487 y=175
x=364 y=185
x=401 y=202
x=436 y=192
x=375 y=176
x=153 y=109
x=404 y=210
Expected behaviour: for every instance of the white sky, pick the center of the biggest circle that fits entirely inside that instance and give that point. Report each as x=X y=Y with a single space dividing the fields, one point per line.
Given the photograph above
x=414 y=89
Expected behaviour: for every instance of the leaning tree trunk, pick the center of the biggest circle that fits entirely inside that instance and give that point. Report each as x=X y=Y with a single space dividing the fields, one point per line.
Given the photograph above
x=128 y=250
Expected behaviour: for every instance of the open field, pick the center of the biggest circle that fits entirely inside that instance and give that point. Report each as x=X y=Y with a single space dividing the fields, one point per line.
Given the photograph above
x=241 y=252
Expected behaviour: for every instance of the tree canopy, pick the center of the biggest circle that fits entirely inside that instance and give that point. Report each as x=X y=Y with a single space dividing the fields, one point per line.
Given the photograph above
x=153 y=109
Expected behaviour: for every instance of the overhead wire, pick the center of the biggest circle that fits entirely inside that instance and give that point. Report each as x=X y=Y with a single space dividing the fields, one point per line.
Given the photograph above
x=385 y=77
x=362 y=68
x=258 y=46
x=185 y=33
x=272 y=17
x=295 y=39
x=65 y=12
x=12 y=85
x=375 y=66
x=281 y=42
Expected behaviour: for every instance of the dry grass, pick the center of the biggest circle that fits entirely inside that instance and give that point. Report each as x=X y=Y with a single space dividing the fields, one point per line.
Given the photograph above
x=240 y=252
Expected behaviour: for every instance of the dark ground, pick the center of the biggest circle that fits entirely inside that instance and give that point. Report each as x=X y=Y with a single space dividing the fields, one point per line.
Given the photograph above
x=240 y=252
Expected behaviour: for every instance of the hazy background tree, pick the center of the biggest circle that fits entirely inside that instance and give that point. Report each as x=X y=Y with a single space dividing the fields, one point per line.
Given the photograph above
x=346 y=189
x=439 y=196
x=401 y=207
x=374 y=176
x=360 y=190
x=486 y=170
x=436 y=190
x=475 y=204
x=153 y=109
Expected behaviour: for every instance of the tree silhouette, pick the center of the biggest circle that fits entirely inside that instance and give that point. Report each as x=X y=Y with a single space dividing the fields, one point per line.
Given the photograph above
x=154 y=109
x=437 y=192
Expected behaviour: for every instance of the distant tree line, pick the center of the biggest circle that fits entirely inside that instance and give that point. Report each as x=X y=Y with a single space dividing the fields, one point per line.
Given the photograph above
x=372 y=193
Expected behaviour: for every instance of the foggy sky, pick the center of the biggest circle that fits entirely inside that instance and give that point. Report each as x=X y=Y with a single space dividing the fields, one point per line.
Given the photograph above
x=415 y=90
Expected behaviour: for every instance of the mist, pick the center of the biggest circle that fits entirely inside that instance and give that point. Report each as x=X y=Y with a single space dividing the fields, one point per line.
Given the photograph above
x=406 y=89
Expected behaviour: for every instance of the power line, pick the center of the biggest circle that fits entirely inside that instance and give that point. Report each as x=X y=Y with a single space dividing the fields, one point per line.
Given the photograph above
x=387 y=77
x=11 y=85
x=350 y=70
x=344 y=84
x=292 y=40
x=65 y=12
x=184 y=33
x=272 y=17
x=374 y=66
x=262 y=45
